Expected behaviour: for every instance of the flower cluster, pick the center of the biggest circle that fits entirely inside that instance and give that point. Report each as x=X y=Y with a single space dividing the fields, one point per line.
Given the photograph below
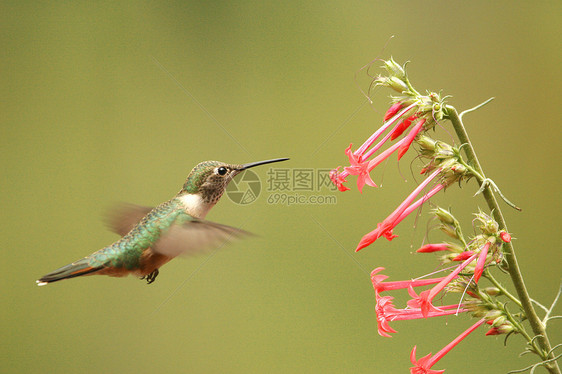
x=464 y=278
x=407 y=122
x=483 y=250
x=488 y=244
x=409 y=109
x=415 y=112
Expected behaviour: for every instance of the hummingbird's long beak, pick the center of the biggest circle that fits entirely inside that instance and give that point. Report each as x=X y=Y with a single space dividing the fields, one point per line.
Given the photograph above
x=252 y=164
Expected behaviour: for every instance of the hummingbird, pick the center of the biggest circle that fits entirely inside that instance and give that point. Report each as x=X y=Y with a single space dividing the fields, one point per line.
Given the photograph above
x=150 y=237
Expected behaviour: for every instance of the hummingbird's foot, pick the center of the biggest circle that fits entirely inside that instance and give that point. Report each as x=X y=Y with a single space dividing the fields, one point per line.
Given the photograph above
x=150 y=278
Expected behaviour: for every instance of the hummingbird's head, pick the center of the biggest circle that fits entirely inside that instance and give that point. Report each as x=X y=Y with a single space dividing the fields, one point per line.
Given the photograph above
x=210 y=178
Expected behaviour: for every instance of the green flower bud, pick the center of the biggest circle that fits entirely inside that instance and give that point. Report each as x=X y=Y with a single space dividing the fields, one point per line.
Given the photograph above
x=499 y=321
x=492 y=291
x=450 y=231
x=398 y=85
x=493 y=314
x=382 y=81
x=506 y=328
x=444 y=215
x=394 y=69
x=427 y=143
x=479 y=313
x=487 y=224
x=455 y=248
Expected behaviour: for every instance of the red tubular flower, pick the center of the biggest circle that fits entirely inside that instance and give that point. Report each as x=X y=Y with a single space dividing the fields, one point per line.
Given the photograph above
x=481 y=262
x=424 y=299
x=383 y=155
x=377 y=278
x=422 y=302
x=410 y=138
x=463 y=256
x=424 y=364
x=359 y=165
x=392 y=110
x=361 y=150
x=420 y=201
x=338 y=179
x=374 y=150
x=381 y=286
x=428 y=248
x=493 y=331
x=360 y=169
x=386 y=312
x=385 y=227
x=402 y=127
x=384 y=308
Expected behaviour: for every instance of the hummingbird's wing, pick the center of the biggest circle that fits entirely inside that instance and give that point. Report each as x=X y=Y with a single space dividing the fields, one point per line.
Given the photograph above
x=124 y=216
x=195 y=236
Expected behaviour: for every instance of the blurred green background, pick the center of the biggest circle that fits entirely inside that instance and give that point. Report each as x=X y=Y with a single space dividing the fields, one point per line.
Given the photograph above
x=117 y=101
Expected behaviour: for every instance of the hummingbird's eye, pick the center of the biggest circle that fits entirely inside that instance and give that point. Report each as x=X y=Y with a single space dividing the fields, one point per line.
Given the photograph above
x=221 y=171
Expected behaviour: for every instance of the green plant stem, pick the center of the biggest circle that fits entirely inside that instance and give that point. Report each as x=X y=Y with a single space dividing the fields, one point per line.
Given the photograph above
x=514 y=271
x=502 y=288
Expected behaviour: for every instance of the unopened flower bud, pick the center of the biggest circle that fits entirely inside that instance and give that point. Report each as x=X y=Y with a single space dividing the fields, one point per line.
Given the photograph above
x=472 y=305
x=444 y=151
x=493 y=314
x=434 y=97
x=438 y=111
x=382 y=81
x=504 y=235
x=479 y=313
x=426 y=143
x=394 y=108
x=506 y=328
x=498 y=321
x=394 y=69
x=443 y=215
x=448 y=258
x=493 y=331
x=397 y=84
x=428 y=248
x=492 y=291
x=463 y=256
x=459 y=169
x=455 y=248
x=446 y=164
x=449 y=231
x=488 y=225
x=491 y=227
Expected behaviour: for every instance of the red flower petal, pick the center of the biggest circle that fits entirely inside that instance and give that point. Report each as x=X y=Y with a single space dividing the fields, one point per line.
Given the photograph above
x=410 y=138
x=402 y=127
x=428 y=248
x=505 y=236
x=392 y=110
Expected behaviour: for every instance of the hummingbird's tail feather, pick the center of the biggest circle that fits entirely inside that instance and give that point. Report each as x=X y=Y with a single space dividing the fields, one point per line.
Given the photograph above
x=76 y=269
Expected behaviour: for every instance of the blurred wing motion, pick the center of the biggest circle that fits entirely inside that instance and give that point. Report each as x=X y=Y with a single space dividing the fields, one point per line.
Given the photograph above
x=186 y=236
x=124 y=216
x=195 y=236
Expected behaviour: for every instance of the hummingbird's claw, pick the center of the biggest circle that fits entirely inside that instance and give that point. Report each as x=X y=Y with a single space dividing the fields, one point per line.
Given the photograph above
x=150 y=278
